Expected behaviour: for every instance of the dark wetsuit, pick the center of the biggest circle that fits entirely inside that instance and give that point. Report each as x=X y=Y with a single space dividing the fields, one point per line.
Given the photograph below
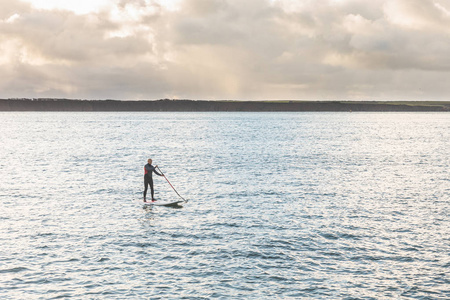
x=148 y=179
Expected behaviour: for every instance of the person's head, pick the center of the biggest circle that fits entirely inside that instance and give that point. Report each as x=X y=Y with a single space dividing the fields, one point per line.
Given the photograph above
x=149 y=161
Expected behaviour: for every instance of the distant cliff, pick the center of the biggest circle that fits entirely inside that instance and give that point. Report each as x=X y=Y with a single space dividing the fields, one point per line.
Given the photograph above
x=200 y=105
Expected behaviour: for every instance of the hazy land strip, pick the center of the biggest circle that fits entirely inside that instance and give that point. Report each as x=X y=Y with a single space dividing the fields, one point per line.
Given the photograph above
x=45 y=104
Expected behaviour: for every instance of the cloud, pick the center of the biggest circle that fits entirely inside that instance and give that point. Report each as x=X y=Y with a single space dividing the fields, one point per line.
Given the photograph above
x=228 y=49
x=419 y=15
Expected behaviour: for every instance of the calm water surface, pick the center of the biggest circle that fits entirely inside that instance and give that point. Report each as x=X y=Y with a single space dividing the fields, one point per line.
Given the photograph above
x=281 y=205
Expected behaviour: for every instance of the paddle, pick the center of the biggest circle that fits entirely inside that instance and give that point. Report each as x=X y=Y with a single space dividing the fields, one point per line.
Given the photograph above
x=171 y=184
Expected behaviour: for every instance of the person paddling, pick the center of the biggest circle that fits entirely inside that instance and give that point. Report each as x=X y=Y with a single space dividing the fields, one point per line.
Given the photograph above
x=148 y=179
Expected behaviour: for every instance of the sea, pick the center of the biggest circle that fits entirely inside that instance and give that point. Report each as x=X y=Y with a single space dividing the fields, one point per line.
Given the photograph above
x=303 y=205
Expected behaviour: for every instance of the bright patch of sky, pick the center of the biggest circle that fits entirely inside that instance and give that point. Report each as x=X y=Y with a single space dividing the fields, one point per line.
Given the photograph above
x=88 y=6
x=77 y=6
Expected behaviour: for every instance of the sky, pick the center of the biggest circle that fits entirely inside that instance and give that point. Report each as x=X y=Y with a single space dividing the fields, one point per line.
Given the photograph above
x=225 y=49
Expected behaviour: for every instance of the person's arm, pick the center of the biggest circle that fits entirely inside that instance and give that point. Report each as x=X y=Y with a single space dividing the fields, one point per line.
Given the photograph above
x=156 y=172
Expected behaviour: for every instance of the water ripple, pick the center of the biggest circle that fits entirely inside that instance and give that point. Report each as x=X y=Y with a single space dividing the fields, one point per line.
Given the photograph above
x=282 y=206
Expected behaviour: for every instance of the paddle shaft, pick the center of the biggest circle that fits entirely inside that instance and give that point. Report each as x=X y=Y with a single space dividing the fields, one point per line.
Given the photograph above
x=171 y=184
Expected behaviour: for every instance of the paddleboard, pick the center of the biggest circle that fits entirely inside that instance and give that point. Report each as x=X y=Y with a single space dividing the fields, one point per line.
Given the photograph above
x=176 y=203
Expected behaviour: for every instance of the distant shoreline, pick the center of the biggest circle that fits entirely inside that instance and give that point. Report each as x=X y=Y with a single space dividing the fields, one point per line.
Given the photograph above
x=168 y=105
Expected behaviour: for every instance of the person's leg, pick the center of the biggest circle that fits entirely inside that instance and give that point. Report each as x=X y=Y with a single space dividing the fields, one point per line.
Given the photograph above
x=151 y=189
x=146 y=187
